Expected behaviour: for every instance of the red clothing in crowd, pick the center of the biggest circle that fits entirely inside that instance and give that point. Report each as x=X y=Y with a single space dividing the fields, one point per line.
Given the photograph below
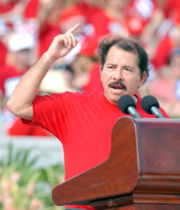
x=162 y=52
x=17 y=128
x=47 y=32
x=110 y=25
x=31 y=9
x=88 y=142
x=20 y=129
x=88 y=10
x=172 y=9
x=7 y=7
x=46 y=36
x=3 y=53
x=94 y=84
x=131 y=24
x=7 y=72
x=82 y=9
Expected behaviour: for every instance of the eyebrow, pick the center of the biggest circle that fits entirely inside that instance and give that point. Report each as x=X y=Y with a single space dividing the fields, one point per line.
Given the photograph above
x=111 y=64
x=123 y=66
x=131 y=67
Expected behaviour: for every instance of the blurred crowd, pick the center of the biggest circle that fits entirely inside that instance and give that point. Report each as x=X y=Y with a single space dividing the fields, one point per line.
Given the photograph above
x=27 y=27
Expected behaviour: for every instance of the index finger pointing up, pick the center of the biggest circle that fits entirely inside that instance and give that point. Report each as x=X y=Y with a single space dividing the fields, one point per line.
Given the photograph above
x=74 y=28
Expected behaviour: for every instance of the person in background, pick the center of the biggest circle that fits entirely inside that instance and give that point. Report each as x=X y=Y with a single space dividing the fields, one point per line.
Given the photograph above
x=164 y=47
x=166 y=86
x=20 y=56
x=86 y=67
x=83 y=122
x=47 y=16
x=11 y=14
x=112 y=17
x=81 y=12
x=42 y=20
x=162 y=32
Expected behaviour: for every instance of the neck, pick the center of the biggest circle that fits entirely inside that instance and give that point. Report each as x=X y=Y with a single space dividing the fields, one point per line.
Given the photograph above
x=135 y=99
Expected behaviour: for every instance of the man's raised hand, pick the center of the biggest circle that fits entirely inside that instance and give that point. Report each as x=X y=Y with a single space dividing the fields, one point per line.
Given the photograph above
x=63 y=43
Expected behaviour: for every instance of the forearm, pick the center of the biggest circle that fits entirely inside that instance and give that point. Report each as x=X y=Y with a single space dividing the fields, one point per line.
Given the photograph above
x=20 y=102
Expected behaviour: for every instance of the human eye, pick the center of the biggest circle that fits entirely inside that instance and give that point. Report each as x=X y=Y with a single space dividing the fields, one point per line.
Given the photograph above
x=110 y=66
x=128 y=68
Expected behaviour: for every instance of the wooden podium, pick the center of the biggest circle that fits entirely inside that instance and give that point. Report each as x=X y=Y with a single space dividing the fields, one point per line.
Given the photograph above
x=142 y=171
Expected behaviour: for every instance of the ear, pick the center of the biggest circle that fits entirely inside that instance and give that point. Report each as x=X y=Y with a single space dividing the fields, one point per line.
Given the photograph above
x=100 y=68
x=143 y=79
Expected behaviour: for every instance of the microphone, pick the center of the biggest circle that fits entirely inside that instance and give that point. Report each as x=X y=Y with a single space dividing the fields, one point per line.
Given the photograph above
x=127 y=105
x=151 y=106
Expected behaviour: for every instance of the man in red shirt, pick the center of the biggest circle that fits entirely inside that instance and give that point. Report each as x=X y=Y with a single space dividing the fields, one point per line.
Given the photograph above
x=83 y=122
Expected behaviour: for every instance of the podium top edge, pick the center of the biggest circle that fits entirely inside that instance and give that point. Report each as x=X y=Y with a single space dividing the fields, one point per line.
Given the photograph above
x=157 y=120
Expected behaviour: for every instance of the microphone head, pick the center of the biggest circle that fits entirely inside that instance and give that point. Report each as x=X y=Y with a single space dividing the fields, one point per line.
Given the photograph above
x=124 y=102
x=149 y=101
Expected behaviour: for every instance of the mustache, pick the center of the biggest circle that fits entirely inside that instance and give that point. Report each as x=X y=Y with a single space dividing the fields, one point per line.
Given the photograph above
x=118 y=83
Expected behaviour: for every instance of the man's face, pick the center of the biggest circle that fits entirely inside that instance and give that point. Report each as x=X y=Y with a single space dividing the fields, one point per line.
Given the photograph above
x=121 y=74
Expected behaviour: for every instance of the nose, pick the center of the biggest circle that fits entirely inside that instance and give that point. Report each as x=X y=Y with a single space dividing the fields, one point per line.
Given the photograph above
x=118 y=75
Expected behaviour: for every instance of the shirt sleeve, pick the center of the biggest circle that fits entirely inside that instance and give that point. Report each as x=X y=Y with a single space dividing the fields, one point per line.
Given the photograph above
x=51 y=113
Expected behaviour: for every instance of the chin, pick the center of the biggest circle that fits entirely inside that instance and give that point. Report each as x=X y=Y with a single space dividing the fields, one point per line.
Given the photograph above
x=114 y=100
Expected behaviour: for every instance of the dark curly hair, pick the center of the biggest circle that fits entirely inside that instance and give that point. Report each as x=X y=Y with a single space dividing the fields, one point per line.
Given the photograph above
x=125 y=44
